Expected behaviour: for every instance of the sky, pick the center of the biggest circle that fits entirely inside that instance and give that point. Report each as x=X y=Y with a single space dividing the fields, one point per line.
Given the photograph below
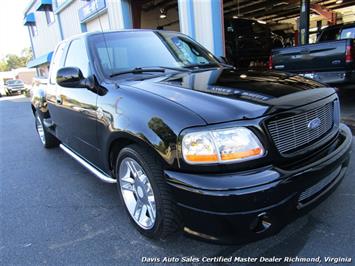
x=14 y=36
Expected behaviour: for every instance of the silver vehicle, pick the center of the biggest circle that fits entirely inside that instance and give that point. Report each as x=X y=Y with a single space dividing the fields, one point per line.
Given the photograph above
x=15 y=86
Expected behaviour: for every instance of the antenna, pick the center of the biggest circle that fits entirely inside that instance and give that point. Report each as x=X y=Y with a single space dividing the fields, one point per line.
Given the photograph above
x=104 y=38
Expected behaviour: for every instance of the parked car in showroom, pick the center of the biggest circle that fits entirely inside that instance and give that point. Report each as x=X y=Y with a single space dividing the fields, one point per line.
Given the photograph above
x=192 y=143
x=331 y=60
x=14 y=86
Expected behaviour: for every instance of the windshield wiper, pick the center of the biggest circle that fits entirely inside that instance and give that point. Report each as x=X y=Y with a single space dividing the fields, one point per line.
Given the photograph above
x=137 y=70
x=140 y=70
x=202 y=65
x=175 y=68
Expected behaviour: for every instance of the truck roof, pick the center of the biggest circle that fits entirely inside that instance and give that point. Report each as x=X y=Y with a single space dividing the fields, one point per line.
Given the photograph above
x=343 y=25
x=87 y=34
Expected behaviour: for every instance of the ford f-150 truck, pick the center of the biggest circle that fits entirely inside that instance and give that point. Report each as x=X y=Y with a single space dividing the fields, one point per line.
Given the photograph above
x=192 y=143
x=331 y=60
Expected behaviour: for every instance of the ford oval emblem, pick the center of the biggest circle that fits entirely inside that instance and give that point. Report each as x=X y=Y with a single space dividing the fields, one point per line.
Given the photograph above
x=314 y=123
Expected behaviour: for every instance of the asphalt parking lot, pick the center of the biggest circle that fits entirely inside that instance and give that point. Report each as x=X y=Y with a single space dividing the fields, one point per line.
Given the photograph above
x=55 y=212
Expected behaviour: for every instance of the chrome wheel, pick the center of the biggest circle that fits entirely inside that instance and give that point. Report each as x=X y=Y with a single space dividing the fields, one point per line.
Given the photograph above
x=137 y=193
x=40 y=130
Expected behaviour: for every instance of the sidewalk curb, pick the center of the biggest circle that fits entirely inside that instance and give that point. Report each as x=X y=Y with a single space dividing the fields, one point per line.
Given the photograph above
x=350 y=122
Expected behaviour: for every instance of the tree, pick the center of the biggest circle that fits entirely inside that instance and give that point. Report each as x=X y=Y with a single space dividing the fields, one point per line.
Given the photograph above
x=12 y=61
x=3 y=66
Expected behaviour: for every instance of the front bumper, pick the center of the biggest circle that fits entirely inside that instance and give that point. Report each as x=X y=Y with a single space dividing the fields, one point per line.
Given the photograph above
x=16 y=90
x=238 y=207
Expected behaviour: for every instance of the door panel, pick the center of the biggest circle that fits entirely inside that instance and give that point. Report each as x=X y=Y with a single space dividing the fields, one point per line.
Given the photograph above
x=52 y=91
x=77 y=115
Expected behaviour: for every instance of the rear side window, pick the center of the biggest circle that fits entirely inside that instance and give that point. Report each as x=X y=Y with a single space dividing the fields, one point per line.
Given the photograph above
x=55 y=64
x=77 y=56
x=250 y=28
x=330 y=35
x=348 y=33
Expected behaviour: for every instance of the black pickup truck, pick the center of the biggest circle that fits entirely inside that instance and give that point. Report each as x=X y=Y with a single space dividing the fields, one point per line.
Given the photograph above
x=331 y=60
x=192 y=143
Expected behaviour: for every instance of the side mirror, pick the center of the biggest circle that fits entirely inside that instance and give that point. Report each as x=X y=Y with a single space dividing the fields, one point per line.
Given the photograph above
x=71 y=77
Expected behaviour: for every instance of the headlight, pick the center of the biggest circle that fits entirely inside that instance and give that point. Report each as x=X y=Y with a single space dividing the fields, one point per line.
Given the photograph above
x=218 y=146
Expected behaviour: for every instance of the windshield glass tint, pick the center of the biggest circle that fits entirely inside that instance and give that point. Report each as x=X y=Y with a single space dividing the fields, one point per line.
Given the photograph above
x=120 y=51
x=249 y=27
x=331 y=34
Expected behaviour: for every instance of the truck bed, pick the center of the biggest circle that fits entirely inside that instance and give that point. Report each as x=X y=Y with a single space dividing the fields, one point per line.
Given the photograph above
x=324 y=61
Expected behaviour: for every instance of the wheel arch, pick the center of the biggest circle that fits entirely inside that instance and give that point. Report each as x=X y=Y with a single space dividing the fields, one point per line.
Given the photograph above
x=121 y=140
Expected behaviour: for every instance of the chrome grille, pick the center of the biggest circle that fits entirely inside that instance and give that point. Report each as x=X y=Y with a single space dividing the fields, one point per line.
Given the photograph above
x=293 y=132
x=309 y=192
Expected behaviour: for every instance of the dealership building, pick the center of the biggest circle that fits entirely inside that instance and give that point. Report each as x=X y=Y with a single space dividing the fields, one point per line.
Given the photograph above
x=50 y=21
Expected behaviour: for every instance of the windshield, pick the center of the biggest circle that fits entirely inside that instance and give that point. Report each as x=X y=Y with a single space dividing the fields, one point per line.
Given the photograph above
x=330 y=34
x=14 y=82
x=120 y=51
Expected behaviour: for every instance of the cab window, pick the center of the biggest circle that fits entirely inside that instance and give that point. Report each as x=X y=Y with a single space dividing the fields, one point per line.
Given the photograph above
x=331 y=34
x=56 y=62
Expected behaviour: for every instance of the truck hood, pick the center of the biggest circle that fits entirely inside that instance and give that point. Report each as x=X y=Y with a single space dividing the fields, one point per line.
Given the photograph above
x=224 y=95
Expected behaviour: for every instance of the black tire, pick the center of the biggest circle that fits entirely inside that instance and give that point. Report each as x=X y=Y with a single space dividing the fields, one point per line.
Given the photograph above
x=167 y=221
x=48 y=140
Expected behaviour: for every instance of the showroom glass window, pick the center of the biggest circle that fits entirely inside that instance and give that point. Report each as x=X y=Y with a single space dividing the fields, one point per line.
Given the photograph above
x=77 y=56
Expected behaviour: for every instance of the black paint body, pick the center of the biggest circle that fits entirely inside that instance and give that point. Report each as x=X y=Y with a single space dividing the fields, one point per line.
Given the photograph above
x=218 y=202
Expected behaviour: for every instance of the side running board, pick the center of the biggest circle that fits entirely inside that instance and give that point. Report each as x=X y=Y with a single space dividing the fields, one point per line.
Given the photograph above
x=102 y=176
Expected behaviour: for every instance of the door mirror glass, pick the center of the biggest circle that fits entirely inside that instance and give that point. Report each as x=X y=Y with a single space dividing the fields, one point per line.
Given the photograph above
x=71 y=77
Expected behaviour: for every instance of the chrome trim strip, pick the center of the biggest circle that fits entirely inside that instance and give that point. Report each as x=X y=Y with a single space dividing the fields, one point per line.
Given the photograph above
x=102 y=176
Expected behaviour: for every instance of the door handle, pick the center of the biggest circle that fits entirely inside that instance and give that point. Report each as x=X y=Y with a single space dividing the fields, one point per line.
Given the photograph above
x=59 y=100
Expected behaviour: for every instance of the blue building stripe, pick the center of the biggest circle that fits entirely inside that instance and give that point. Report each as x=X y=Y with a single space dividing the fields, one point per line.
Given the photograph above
x=191 y=18
x=218 y=28
x=126 y=13
x=60 y=26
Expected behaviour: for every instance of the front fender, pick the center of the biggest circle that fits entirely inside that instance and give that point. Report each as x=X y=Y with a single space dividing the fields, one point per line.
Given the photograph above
x=144 y=118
